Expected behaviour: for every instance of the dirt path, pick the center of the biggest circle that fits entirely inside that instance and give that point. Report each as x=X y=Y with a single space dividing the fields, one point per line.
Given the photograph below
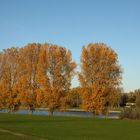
x=21 y=134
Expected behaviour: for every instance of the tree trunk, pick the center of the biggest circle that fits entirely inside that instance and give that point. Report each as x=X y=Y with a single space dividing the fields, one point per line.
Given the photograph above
x=51 y=112
x=31 y=109
x=94 y=114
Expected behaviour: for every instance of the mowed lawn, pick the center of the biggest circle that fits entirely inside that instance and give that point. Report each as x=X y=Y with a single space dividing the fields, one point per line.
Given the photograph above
x=37 y=127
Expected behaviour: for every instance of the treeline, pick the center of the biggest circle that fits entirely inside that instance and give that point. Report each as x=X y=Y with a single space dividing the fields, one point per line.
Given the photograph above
x=130 y=97
x=118 y=98
x=114 y=101
x=39 y=75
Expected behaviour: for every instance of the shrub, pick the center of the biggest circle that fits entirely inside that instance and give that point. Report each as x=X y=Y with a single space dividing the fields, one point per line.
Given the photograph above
x=130 y=114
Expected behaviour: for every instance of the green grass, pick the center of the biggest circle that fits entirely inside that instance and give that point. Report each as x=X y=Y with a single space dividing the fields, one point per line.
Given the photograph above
x=68 y=128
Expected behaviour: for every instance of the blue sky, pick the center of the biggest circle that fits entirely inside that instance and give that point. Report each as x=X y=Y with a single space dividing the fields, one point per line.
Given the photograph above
x=74 y=23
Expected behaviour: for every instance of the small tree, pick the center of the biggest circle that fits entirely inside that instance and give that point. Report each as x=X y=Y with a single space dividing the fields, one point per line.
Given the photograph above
x=124 y=99
x=74 y=97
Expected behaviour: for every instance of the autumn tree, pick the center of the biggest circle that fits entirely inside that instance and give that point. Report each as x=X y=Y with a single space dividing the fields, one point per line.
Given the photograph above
x=2 y=63
x=99 y=74
x=57 y=70
x=9 y=76
x=28 y=84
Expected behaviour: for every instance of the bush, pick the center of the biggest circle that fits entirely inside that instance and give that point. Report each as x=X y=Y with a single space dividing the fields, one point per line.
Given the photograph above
x=130 y=114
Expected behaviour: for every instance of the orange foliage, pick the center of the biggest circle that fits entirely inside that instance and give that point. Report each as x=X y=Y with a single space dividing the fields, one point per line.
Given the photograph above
x=57 y=69
x=35 y=75
x=100 y=73
x=9 y=78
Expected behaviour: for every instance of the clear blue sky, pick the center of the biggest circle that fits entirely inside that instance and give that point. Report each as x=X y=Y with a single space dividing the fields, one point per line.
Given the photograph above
x=74 y=23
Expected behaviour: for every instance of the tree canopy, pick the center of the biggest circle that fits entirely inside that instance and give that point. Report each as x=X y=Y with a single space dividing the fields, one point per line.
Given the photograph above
x=100 y=73
x=35 y=75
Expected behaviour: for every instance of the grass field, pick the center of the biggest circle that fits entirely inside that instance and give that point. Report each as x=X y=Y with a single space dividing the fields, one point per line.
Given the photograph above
x=33 y=127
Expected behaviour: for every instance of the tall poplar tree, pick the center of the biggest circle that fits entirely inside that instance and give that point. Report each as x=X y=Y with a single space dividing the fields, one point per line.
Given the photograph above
x=9 y=76
x=57 y=70
x=100 y=72
x=28 y=84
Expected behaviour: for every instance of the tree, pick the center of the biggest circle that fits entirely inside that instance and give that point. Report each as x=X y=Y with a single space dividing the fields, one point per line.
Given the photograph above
x=99 y=74
x=28 y=84
x=57 y=70
x=131 y=97
x=74 y=97
x=124 y=99
x=2 y=63
x=9 y=78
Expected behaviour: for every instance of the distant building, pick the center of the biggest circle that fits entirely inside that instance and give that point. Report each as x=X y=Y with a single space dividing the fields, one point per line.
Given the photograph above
x=130 y=105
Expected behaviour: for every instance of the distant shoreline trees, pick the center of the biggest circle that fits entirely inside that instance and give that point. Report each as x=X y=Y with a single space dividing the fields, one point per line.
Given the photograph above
x=39 y=75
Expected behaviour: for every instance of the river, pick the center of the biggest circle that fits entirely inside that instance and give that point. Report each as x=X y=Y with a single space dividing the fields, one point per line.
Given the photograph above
x=112 y=114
